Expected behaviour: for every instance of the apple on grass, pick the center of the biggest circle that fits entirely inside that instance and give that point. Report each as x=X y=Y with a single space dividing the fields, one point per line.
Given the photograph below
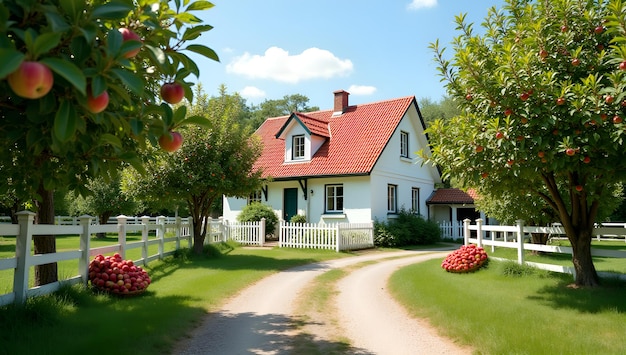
x=31 y=80
x=171 y=141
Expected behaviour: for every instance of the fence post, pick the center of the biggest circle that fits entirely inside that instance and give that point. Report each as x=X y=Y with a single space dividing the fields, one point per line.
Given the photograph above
x=85 y=237
x=23 y=247
x=160 y=234
x=338 y=234
x=121 y=234
x=189 y=233
x=466 y=231
x=262 y=232
x=178 y=226
x=520 y=241
x=479 y=232
x=145 y=231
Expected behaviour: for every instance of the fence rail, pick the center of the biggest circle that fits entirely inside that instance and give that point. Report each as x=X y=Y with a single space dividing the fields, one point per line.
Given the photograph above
x=515 y=237
x=337 y=236
x=24 y=258
x=341 y=236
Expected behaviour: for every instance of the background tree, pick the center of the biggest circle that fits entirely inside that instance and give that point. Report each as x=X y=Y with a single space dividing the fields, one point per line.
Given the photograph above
x=541 y=94
x=443 y=109
x=79 y=92
x=280 y=107
x=105 y=199
x=213 y=161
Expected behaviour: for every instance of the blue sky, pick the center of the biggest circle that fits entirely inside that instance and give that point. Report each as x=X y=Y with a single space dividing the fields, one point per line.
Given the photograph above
x=376 y=50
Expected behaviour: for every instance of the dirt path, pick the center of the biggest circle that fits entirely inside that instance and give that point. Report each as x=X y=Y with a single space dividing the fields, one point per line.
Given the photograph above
x=264 y=318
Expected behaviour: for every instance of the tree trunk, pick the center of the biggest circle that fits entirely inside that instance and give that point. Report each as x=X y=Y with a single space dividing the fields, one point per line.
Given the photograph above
x=103 y=219
x=586 y=274
x=198 y=236
x=45 y=244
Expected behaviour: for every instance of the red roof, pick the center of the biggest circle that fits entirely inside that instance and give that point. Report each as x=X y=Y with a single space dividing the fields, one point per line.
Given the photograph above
x=452 y=196
x=354 y=141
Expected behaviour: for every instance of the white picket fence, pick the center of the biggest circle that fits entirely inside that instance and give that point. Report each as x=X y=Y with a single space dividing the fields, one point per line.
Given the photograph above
x=25 y=260
x=451 y=229
x=515 y=237
x=337 y=236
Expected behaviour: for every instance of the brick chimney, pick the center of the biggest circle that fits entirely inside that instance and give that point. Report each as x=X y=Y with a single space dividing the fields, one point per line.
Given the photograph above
x=341 y=102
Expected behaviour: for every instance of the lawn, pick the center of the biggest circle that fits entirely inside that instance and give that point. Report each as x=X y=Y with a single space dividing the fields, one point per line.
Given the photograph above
x=182 y=292
x=508 y=309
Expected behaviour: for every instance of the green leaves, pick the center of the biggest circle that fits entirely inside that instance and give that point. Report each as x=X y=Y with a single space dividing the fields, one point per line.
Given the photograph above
x=68 y=71
x=65 y=122
x=203 y=50
x=10 y=60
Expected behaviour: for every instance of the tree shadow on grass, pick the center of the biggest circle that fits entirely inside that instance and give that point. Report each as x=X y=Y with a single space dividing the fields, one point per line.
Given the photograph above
x=251 y=333
x=608 y=297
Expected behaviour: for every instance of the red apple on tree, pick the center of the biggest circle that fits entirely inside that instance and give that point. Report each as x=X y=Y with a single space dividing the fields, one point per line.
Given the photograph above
x=508 y=112
x=560 y=101
x=609 y=99
x=599 y=29
x=586 y=160
x=541 y=154
x=617 y=119
x=499 y=135
x=575 y=62
x=622 y=65
x=172 y=93
x=129 y=35
x=543 y=53
x=99 y=103
x=171 y=141
x=570 y=151
x=479 y=148
x=31 y=80
x=579 y=188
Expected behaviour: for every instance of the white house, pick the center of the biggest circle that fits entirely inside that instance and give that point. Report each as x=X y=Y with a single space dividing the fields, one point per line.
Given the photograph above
x=354 y=163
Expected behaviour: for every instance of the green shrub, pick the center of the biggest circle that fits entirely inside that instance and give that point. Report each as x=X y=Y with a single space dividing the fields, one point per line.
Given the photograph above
x=513 y=269
x=406 y=229
x=254 y=212
x=298 y=219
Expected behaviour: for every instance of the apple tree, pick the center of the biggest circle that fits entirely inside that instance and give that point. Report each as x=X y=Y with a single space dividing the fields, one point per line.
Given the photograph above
x=541 y=93
x=213 y=161
x=80 y=86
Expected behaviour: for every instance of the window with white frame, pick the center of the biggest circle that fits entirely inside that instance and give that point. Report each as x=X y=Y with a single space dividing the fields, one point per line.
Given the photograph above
x=334 y=198
x=255 y=197
x=297 y=151
x=404 y=144
x=415 y=200
x=392 y=198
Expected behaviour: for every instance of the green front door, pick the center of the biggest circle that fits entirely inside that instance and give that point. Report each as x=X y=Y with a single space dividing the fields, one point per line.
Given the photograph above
x=290 y=203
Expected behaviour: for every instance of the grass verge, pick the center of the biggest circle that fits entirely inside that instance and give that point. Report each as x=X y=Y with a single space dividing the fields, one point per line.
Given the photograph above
x=507 y=309
x=184 y=289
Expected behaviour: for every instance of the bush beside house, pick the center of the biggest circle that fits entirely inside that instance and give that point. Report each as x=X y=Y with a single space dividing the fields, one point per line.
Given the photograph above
x=254 y=212
x=406 y=229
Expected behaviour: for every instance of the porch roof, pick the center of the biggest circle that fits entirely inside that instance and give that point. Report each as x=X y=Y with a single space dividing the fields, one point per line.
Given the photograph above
x=449 y=196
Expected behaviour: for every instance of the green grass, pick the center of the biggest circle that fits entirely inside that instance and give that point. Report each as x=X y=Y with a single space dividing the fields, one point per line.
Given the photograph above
x=184 y=289
x=69 y=268
x=601 y=263
x=533 y=313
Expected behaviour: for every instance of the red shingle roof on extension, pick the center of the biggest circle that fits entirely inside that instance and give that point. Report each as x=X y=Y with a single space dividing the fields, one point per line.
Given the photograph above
x=452 y=196
x=354 y=141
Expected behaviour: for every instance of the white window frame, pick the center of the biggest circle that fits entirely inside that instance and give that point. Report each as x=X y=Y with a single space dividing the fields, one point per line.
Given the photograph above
x=392 y=198
x=334 y=198
x=415 y=200
x=297 y=147
x=256 y=196
x=404 y=144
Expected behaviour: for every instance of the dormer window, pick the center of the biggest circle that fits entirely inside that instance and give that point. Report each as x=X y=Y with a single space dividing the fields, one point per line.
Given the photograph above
x=298 y=147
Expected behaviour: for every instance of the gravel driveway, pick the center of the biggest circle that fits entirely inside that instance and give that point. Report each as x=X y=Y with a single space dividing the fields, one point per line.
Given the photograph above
x=267 y=318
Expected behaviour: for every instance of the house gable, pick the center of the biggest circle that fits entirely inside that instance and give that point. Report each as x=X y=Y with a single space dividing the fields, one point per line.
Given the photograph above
x=303 y=136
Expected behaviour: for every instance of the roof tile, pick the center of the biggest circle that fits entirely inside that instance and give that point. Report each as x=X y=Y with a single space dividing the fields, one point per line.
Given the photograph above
x=355 y=140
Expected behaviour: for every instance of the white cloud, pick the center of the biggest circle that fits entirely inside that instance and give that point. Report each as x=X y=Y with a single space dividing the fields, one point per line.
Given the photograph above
x=251 y=92
x=361 y=90
x=277 y=64
x=418 y=4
